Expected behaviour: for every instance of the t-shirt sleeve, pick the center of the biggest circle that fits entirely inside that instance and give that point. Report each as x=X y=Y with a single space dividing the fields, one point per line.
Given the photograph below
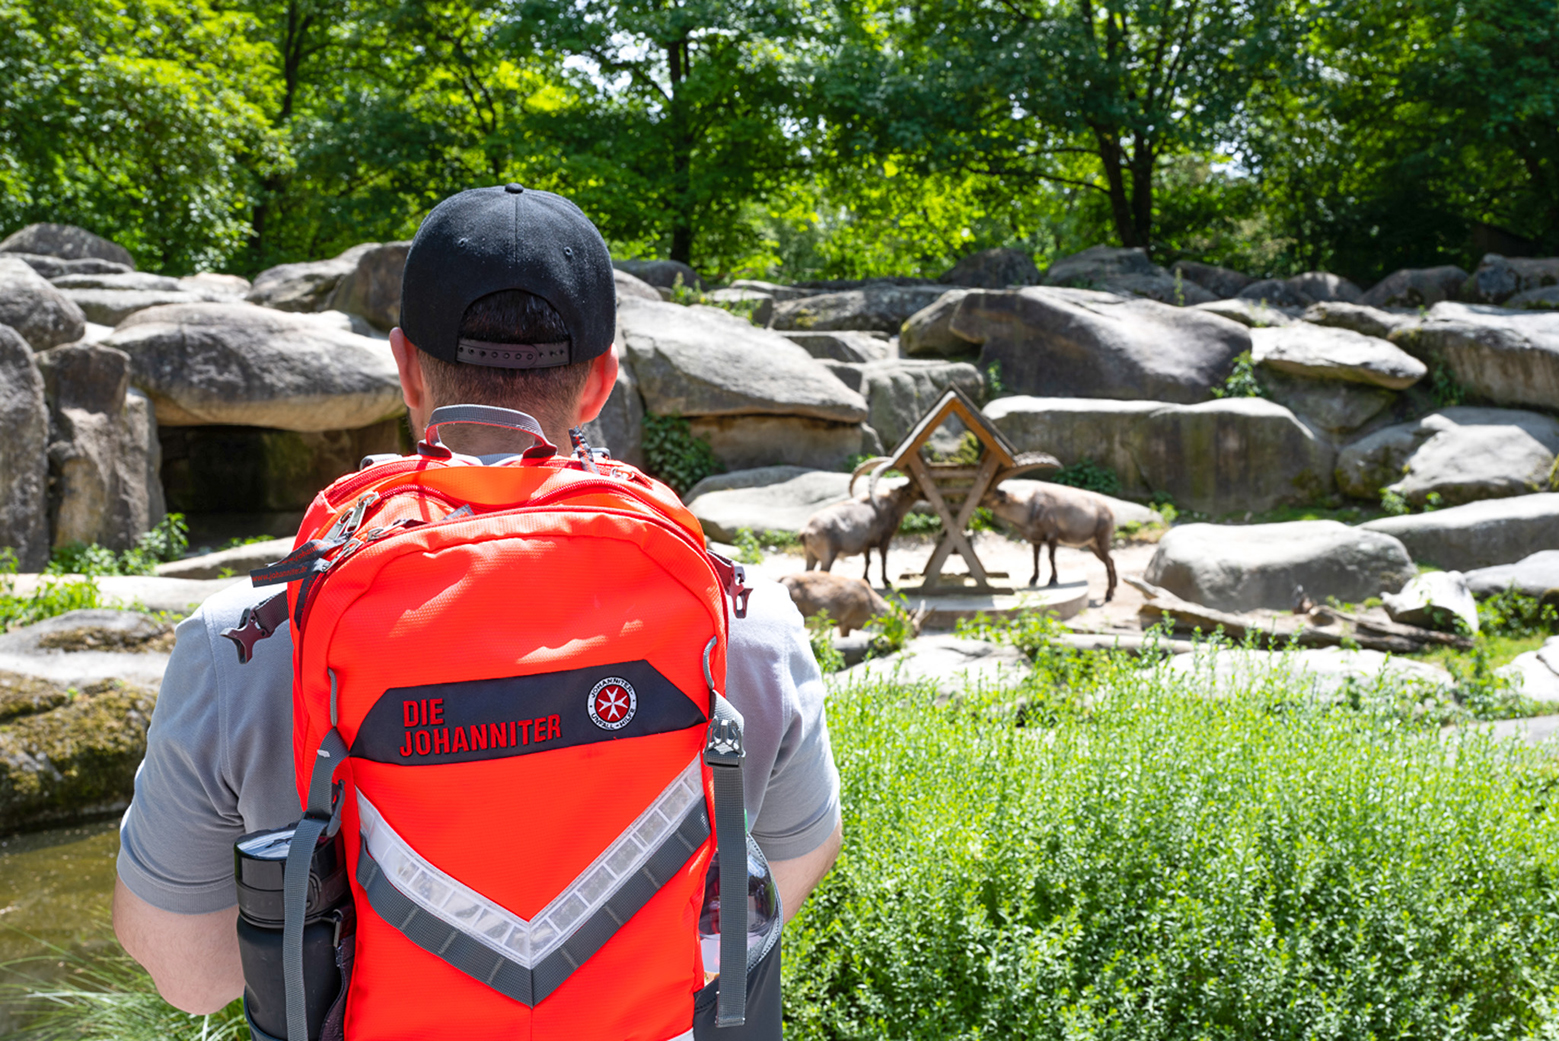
x=176 y=839
x=781 y=693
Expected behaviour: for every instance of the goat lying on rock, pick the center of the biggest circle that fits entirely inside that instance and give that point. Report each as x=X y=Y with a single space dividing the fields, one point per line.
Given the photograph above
x=850 y=602
x=855 y=526
x=1055 y=514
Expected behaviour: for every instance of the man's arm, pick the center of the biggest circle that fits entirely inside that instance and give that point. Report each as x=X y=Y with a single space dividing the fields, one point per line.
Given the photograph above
x=797 y=878
x=193 y=958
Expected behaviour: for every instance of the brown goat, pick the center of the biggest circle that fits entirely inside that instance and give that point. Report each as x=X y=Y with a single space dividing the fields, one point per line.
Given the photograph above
x=856 y=525
x=850 y=602
x=1055 y=514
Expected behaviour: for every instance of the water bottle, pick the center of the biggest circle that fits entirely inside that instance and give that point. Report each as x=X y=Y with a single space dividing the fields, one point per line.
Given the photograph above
x=763 y=910
x=259 y=860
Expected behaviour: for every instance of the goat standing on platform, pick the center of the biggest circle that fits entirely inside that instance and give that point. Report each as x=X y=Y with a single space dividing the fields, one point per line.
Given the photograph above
x=855 y=526
x=1055 y=514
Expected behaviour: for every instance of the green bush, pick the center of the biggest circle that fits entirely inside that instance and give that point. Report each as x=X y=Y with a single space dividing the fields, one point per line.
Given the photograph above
x=1172 y=866
x=48 y=600
x=167 y=541
x=1242 y=382
x=1088 y=474
x=674 y=455
x=820 y=631
x=1512 y=613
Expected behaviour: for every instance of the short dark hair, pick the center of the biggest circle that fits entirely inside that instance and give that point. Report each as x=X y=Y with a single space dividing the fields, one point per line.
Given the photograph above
x=510 y=316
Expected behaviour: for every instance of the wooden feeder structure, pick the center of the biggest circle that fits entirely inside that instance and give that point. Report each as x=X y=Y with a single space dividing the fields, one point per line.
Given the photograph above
x=954 y=490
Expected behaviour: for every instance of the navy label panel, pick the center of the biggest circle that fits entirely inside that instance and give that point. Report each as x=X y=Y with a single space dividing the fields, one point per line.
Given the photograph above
x=494 y=719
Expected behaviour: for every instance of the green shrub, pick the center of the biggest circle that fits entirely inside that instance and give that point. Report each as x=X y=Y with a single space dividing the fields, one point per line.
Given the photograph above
x=820 y=631
x=915 y=523
x=1444 y=387
x=48 y=600
x=1242 y=382
x=748 y=550
x=1090 y=475
x=1172 y=866
x=674 y=455
x=1512 y=613
x=892 y=629
x=1393 y=504
x=167 y=541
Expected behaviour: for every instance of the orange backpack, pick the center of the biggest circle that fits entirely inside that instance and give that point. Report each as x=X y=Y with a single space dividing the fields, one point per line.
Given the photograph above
x=506 y=698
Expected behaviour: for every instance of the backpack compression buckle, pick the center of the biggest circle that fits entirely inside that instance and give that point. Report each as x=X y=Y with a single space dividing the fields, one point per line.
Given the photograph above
x=255 y=624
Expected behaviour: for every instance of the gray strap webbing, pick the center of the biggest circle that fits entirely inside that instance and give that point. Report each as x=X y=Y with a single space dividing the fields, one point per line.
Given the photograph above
x=295 y=879
x=506 y=975
x=724 y=754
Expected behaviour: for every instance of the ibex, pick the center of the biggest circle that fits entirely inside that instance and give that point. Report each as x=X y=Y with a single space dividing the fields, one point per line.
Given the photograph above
x=1055 y=514
x=850 y=602
x=855 y=526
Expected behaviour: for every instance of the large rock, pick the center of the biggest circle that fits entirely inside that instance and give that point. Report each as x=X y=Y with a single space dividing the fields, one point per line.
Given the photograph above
x=110 y=299
x=1097 y=265
x=847 y=345
x=756 y=307
x=993 y=269
x=1277 y=292
x=236 y=363
x=1416 y=287
x=1544 y=299
x=769 y=499
x=899 y=391
x=1459 y=454
x=240 y=560
x=928 y=333
x=747 y=441
x=67 y=242
x=246 y=469
x=54 y=267
x=104 y=454
x=77 y=648
x=1230 y=455
x=772 y=289
x=1251 y=313
x=1079 y=343
x=1241 y=568
x=1370 y=321
x=1501 y=356
x=701 y=361
x=949 y=664
x=880 y=306
x=663 y=274
x=43 y=315
x=620 y=426
x=372 y=287
x=305 y=286
x=1500 y=278
x=24 y=465
x=632 y=287
x=1221 y=282
x=1322 y=286
x=1335 y=406
x=1531 y=576
x=1535 y=674
x=1479 y=534
x=1435 y=600
x=142 y=280
x=1323 y=352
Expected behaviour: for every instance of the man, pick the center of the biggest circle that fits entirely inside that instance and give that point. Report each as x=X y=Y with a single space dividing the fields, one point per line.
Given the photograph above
x=496 y=278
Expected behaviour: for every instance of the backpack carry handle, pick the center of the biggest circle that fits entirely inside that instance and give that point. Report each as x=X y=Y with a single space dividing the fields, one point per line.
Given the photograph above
x=487 y=416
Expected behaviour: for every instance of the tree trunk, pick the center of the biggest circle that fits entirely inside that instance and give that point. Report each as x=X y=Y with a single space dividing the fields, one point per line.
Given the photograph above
x=1142 y=160
x=1111 y=156
x=681 y=157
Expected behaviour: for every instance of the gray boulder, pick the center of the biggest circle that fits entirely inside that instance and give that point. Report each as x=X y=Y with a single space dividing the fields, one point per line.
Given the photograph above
x=1536 y=674
x=216 y=282
x=1531 y=576
x=371 y=288
x=1544 y=299
x=631 y=287
x=104 y=453
x=847 y=345
x=744 y=442
x=110 y=305
x=1127 y=272
x=1478 y=534
x=1370 y=321
x=1501 y=356
x=75 y=649
x=1435 y=600
x=1231 y=455
x=1244 y=567
x=1416 y=287
x=768 y=499
x=899 y=391
x=950 y=664
x=1276 y=292
x=1079 y=343
x=701 y=361
x=54 y=267
x=141 y=280
x=993 y=269
x=1335 y=406
x=1461 y=454
x=662 y=274
x=43 y=315
x=1323 y=286
x=1221 y=282
x=928 y=333
x=67 y=242
x=757 y=307
x=240 y=560
x=1251 y=313
x=305 y=286
x=1500 y=278
x=24 y=466
x=772 y=289
x=236 y=363
x=881 y=306
x=620 y=426
x=1324 y=352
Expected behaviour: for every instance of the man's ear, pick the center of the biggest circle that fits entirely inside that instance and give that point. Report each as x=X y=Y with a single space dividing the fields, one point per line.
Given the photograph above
x=598 y=387
x=414 y=384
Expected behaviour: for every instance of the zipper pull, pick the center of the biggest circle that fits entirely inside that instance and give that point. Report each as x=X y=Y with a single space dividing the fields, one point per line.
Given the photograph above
x=348 y=525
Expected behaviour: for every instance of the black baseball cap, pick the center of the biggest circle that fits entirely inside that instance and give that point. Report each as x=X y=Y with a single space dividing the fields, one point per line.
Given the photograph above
x=487 y=240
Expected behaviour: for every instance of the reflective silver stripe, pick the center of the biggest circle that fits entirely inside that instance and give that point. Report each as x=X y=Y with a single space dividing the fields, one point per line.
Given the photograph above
x=529 y=942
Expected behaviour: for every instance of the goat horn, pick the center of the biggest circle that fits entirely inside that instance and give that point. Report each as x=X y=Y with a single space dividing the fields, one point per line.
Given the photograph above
x=862 y=467
x=878 y=471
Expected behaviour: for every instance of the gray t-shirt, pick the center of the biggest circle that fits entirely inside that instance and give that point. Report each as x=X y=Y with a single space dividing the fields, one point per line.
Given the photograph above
x=219 y=752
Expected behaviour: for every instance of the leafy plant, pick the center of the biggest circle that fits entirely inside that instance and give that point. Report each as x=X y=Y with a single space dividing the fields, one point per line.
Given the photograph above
x=1446 y=390
x=893 y=628
x=674 y=455
x=994 y=387
x=1393 y=504
x=1512 y=613
x=167 y=541
x=1242 y=382
x=748 y=549
x=1085 y=473
x=48 y=600
x=820 y=633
